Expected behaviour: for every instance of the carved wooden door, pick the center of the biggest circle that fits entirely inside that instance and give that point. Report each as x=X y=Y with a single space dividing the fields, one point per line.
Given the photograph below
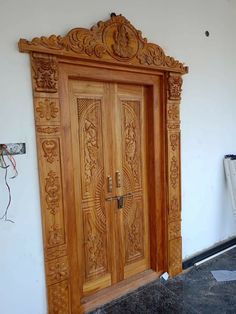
x=109 y=160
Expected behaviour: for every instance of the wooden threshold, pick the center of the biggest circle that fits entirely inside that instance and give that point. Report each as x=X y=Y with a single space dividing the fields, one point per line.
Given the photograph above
x=109 y=294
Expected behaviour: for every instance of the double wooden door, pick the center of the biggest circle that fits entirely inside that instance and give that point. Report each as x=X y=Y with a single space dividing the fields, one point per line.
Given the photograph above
x=109 y=161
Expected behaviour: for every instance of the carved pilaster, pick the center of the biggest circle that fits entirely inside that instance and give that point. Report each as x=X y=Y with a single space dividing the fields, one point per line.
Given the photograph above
x=174 y=83
x=48 y=131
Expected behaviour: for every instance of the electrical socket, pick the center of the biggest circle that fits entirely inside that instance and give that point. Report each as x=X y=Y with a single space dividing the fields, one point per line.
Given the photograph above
x=14 y=148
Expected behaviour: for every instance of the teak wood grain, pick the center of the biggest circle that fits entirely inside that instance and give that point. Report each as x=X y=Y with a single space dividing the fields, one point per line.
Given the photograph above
x=106 y=101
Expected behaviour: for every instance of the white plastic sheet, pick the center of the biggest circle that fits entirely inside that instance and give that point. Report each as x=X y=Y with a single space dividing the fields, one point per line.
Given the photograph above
x=224 y=275
x=230 y=172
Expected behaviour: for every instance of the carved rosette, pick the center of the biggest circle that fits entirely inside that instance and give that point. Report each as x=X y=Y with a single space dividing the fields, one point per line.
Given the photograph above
x=174 y=83
x=57 y=270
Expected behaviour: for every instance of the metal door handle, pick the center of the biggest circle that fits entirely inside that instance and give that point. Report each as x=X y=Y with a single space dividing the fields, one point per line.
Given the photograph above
x=109 y=184
x=118 y=179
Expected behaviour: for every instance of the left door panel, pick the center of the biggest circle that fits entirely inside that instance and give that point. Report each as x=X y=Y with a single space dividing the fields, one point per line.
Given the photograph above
x=89 y=107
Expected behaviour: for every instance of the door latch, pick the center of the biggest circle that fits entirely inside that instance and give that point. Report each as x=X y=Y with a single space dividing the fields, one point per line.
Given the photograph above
x=120 y=199
x=120 y=202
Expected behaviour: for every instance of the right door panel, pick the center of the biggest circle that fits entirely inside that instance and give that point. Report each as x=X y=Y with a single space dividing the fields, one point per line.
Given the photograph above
x=131 y=101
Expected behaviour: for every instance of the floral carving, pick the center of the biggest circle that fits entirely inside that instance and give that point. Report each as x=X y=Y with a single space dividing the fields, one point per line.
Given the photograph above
x=57 y=270
x=174 y=205
x=135 y=240
x=173 y=126
x=174 y=86
x=52 y=189
x=174 y=210
x=107 y=40
x=174 y=230
x=152 y=54
x=59 y=298
x=47 y=109
x=130 y=137
x=89 y=113
x=45 y=73
x=50 y=148
x=175 y=258
x=174 y=141
x=174 y=172
x=173 y=112
x=90 y=144
x=56 y=236
x=48 y=130
x=94 y=250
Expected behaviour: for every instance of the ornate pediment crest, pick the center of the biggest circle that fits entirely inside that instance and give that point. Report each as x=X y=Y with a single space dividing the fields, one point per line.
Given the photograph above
x=115 y=39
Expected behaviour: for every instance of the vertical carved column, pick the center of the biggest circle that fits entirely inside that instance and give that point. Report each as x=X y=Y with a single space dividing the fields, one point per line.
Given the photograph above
x=174 y=82
x=48 y=131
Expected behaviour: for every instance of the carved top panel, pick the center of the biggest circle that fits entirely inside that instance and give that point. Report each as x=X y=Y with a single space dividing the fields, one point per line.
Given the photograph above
x=115 y=40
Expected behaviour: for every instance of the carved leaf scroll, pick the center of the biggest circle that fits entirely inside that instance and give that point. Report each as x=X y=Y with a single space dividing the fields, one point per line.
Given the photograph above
x=115 y=38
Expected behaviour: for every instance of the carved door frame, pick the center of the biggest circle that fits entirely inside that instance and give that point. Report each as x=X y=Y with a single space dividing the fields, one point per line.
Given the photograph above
x=113 y=45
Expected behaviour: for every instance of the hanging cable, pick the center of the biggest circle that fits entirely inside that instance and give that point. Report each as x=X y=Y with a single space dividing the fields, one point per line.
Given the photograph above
x=4 y=166
x=11 y=159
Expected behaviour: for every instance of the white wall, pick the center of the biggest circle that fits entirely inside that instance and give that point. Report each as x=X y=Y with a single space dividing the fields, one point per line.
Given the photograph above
x=208 y=128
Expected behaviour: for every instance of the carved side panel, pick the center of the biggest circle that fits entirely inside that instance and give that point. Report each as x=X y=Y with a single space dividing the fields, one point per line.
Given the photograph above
x=92 y=187
x=132 y=170
x=48 y=131
x=174 y=83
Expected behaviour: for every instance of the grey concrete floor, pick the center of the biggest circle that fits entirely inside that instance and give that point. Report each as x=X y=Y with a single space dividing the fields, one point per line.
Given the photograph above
x=195 y=291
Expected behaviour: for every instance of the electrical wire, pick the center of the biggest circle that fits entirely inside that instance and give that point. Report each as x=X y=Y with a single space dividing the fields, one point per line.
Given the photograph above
x=4 y=166
x=11 y=159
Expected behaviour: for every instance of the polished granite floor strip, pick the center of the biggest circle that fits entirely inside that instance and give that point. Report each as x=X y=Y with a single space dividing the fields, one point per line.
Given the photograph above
x=195 y=291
